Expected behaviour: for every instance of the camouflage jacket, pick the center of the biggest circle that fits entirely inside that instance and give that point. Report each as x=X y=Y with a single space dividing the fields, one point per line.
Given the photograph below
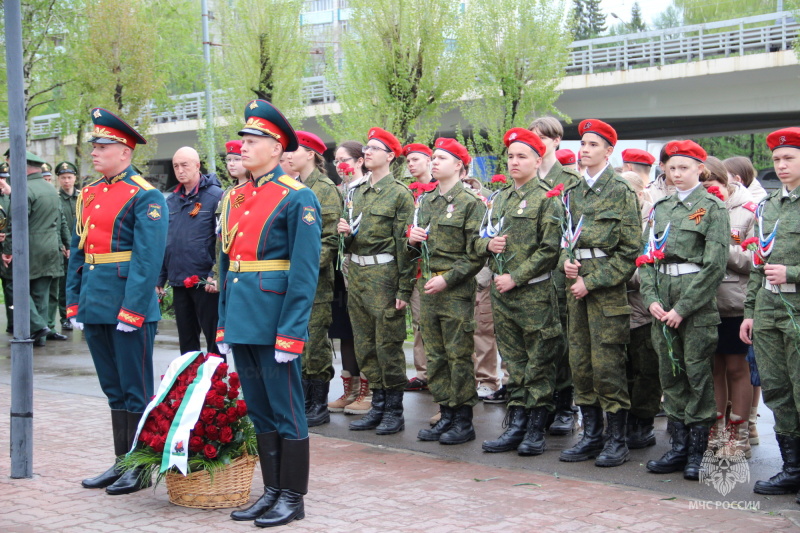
x=330 y=200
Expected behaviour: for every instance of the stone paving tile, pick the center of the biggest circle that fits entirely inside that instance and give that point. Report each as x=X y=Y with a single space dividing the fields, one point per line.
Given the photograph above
x=354 y=487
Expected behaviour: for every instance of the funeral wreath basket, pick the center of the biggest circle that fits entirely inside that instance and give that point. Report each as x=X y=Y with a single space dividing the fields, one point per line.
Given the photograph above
x=195 y=433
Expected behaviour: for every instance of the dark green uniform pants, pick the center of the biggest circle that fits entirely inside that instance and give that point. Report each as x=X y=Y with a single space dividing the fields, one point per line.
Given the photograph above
x=8 y=297
x=52 y=302
x=318 y=351
x=447 y=325
x=40 y=303
x=563 y=372
x=644 y=385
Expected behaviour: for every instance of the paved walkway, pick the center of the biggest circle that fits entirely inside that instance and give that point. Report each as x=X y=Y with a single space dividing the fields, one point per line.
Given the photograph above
x=354 y=487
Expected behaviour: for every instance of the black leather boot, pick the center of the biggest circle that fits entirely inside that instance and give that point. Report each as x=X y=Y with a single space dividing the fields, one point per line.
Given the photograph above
x=441 y=426
x=591 y=444
x=515 y=424
x=318 y=413
x=119 y=429
x=534 y=443
x=373 y=418
x=787 y=480
x=643 y=435
x=461 y=430
x=294 y=485
x=675 y=459
x=615 y=452
x=564 y=421
x=307 y=393
x=698 y=442
x=392 y=421
x=269 y=454
x=132 y=480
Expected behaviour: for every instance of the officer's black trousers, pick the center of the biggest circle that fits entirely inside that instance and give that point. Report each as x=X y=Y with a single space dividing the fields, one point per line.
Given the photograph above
x=196 y=312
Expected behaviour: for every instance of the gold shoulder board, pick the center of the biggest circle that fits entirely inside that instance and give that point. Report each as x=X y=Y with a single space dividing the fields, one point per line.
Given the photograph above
x=291 y=183
x=141 y=182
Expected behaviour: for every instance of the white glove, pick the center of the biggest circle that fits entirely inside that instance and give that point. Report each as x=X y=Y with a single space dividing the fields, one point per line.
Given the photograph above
x=224 y=348
x=76 y=324
x=121 y=326
x=285 y=357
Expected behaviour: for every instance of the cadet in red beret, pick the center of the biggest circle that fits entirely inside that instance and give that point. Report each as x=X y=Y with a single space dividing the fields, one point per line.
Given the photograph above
x=448 y=219
x=567 y=158
x=233 y=161
x=604 y=256
x=387 y=139
x=766 y=323
x=639 y=161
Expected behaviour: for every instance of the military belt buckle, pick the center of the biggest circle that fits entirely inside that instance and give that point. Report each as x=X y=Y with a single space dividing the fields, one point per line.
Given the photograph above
x=234 y=266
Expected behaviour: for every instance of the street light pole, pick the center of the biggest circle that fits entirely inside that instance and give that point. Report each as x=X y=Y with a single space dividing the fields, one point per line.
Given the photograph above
x=211 y=153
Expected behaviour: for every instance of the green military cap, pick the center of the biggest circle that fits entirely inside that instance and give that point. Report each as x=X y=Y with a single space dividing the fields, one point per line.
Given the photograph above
x=65 y=167
x=4 y=170
x=109 y=128
x=30 y=157
x=264 y=119
x=47 y=170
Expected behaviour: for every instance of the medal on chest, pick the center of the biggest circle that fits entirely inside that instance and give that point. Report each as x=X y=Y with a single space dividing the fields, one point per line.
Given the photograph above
x=522 y=205
x=450 y=209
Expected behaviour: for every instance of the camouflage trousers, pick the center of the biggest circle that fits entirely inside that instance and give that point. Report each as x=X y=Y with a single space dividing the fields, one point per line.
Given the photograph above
x=318 y=352
x=447 y=326
x=379 y=329
x=644 y=386
x=599 y=329
x=563 y=372
x=529 y=337
x=777 y=348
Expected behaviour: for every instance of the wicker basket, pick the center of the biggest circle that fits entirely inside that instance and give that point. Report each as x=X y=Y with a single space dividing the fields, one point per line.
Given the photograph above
x=230 y=488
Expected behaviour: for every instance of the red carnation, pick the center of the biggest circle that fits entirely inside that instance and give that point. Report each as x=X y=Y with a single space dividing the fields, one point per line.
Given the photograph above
x=642 y=260
x=658 y=255
x=195 y=444
x=207 y=415
x=757 y=260
x=716 y=192
x=241 y=408
x=499 y=178
x=346 y=169
x=226 y=435
x=555 y=191
x=747 y=242
x=191 y=281
x=199 y=429
x=210 y=451
x=212 y=432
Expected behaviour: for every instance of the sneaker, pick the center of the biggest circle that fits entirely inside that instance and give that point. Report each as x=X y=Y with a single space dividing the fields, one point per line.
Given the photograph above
x=416 y=384
x=498 y=396
x=484 y=391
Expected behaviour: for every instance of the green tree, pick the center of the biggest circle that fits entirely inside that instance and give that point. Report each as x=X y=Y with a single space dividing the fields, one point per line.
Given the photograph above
x=700 y=11
x=671 y=17
x=518 y=61
x=401 y=68
x=636 y=24
x=589 y=19
x=753 y=146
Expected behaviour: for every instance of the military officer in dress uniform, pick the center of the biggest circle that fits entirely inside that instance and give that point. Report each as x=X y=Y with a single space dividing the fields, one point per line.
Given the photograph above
x=269 y=265
x=117 y=252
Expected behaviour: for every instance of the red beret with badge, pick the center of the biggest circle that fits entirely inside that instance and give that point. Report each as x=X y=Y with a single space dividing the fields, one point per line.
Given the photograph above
x=786 y=137
x=598 y=127
x=387 y=139
x=640 y=157
x=565 y=156
x=311 y=141
x=233 y=147
x=454 y=148
x=686 y=148
x=521 y=135
x=417 y=148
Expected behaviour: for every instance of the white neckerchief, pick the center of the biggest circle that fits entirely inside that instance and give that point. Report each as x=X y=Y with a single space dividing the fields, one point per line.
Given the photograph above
x=590 y=180
x=357 y=182
x=683 y=194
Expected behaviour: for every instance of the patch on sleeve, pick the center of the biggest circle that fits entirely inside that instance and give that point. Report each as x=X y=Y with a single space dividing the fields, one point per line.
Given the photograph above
x=309 y=215
x=750 y=206
x=154 y=212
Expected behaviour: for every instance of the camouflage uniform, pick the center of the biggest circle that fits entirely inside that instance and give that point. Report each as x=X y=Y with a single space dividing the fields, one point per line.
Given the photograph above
x=775 y=340
x=526 y=318
x=378 y=328
x=317 y=357
x=699 y=235
x=599 y=323
x=446 y=318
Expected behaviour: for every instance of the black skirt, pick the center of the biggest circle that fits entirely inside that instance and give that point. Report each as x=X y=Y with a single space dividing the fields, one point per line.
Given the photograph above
x=340 y=326
x=729 y=342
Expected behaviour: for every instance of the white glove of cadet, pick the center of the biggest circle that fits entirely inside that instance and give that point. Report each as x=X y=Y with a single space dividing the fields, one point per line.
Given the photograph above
x=125 y=327
x=224 y=348
x=76 y=324
x=285 y=357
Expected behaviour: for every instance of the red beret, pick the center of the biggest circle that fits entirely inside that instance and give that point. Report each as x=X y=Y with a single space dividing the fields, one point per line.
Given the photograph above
x=686 y=149
x=388 y=140
x=454 y=148
x=310 y=141
x=634 y=155
x=565 y=157
x=233 y=147
x=521 y=135
x=418 y=148
x=785 y=137
x=598 y=127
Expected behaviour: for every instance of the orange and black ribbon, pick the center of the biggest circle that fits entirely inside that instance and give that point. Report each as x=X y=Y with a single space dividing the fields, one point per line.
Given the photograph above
x=196 y=209
x=697 y=216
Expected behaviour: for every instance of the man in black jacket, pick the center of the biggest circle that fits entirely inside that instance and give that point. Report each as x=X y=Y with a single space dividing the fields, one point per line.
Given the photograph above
x=189 y=259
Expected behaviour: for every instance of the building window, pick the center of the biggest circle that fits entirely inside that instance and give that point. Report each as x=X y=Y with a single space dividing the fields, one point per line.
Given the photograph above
x=318 y=5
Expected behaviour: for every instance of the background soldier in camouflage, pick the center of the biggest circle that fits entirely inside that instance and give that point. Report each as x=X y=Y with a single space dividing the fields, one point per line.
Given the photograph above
x=681 y=293
x=767 y=322
x=317 y=357
x=524 y=303
x=598 y=310
x=447 y=220
x=381 y=278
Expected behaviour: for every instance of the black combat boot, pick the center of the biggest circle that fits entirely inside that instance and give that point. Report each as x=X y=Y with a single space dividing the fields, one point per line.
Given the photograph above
x=119 y=429
x=461 y=430
x=373 y=418
x=294 y=485
x=132 y=480
x=615 y=452
x=787 y=480
x=643 y=435
x=698 y=442
x=534 y=443
x=515 y=424
x=392 y=421
x=564 y=421
x=441 y=426
x=675 y=459
x=591 y=444
x=308 y=391
x=318 y=413
x=269 y=454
